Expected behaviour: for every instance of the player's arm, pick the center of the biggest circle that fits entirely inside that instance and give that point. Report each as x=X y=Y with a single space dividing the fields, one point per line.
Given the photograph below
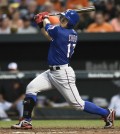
x=42 y=20
x=50 y=31
x=45 y=22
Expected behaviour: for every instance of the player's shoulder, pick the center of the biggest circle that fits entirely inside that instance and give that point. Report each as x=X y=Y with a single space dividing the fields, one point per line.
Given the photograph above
x=50 y=26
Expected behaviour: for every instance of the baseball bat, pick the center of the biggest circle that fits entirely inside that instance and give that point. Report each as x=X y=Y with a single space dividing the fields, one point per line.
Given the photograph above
x=79 y=10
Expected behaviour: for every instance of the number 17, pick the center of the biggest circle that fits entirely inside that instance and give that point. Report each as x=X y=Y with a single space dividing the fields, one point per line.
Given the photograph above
x=69 y=46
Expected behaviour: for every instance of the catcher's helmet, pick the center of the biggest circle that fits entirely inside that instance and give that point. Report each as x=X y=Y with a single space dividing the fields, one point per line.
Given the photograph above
x=72 y=17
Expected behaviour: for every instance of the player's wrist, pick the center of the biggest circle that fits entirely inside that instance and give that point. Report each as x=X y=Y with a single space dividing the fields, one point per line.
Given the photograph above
x=45 y=22
x=39 y=18
x=46 y=17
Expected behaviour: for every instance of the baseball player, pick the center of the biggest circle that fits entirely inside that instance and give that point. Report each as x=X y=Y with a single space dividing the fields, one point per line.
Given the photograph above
x=60 y=74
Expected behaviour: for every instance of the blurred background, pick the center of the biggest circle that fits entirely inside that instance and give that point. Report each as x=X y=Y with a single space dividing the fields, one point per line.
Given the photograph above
x=23 y=55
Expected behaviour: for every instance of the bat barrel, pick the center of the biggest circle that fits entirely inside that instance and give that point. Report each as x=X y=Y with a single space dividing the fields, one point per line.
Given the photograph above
x=80 y=10
x=85 y=9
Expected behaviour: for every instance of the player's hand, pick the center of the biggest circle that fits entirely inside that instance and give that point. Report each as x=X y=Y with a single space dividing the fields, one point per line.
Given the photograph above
x=45 y=15
x=40 y=17
x=39 y=20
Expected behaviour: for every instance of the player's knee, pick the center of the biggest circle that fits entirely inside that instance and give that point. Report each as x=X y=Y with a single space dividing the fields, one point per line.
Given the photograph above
x=30 y=89
x=79 y=105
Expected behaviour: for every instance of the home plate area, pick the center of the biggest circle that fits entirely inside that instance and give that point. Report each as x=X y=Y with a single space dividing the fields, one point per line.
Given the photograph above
x=61 y=131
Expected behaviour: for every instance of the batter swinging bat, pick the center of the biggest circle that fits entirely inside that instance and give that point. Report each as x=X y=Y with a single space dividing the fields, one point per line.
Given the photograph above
x=80 y=10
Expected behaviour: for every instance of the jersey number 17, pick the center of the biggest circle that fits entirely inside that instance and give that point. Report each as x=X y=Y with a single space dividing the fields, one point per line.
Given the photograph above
x=71 y=48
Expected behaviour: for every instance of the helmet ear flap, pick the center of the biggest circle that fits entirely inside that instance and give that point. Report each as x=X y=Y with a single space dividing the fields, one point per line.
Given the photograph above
x=73 y=18
x=63 y=18
x=60 y=17
x=70 y=25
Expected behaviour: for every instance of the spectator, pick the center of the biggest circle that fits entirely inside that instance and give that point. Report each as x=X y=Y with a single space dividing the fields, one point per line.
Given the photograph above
x=85 y=21
x=13 y=67
x=23 y=4
x=27 y=28
x=116 y=22
x=16 y=21
x=4 y=22
x=11 y=94
x=71 y=4
x=41 y=2
x=23 y=7
x=58 y=5
x=100 y=25
x=100 y=5
x=32 y=10
x=48 y=7
x=110 y=10
x=12 y=9
x=3 y=2
x=32 y=7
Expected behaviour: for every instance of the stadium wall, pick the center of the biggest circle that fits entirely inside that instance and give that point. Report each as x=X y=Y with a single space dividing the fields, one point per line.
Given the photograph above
x=30 y=51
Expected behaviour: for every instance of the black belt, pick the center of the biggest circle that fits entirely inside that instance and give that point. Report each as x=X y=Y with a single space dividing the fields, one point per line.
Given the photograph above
x=55 y=68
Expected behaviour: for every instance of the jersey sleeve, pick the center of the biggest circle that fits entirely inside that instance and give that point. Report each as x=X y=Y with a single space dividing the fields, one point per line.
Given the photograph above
x=52 y=30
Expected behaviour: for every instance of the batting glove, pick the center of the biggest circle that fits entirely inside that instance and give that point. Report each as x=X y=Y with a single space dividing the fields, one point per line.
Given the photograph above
x=40 y=17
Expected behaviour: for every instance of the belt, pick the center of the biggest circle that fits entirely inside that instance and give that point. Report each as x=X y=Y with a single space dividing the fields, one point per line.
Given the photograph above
x=54 y=68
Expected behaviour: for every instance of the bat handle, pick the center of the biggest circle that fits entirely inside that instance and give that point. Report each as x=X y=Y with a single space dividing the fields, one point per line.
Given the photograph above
x=54 y=14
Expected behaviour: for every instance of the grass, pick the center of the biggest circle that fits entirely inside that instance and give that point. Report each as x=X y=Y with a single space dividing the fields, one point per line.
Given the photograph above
x=62 y=123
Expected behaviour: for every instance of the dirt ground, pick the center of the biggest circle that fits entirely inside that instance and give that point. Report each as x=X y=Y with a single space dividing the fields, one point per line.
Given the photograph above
x=61 y=131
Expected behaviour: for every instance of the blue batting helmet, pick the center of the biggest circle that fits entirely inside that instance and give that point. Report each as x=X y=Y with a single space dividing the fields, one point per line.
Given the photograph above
x=72 y=17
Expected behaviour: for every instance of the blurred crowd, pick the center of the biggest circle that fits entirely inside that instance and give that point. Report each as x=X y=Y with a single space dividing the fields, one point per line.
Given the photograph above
x=16 y=16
